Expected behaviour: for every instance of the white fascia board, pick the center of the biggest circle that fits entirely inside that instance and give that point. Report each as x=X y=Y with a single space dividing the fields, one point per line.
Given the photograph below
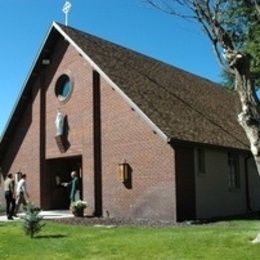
x=26 y=81
x=113 y=85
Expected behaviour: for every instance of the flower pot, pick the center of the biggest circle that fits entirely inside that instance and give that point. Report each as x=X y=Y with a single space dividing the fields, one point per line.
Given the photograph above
x=78 y=213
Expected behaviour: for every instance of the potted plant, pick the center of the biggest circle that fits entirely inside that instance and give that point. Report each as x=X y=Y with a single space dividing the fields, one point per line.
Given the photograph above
x=78 y=207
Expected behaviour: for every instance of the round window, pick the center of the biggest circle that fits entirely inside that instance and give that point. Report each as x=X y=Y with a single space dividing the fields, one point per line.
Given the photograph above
x=63 y=88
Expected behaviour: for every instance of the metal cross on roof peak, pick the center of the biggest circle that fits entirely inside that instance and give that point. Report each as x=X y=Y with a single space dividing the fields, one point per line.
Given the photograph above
x=66 y=8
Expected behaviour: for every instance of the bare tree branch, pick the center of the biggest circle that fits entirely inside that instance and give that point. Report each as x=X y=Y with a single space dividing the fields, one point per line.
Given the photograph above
x=167 y=9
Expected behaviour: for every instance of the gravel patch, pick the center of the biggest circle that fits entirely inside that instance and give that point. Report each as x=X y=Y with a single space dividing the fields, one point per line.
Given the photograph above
x=114 y=222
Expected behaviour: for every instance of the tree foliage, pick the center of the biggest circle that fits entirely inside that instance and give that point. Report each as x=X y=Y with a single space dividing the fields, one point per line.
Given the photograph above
x=241 y=20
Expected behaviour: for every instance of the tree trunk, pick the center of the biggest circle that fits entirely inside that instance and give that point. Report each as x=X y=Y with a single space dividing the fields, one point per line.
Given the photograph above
x=249 y=118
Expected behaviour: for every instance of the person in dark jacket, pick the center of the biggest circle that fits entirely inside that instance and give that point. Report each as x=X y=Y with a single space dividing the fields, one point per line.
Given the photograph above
x=9 y=196
x=74 y=187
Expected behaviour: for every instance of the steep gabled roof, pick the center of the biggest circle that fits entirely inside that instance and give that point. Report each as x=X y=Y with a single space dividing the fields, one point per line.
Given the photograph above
x=184 y=106
x=180 y=105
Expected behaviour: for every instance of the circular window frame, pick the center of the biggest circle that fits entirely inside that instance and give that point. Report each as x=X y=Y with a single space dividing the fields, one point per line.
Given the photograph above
x=59 y=84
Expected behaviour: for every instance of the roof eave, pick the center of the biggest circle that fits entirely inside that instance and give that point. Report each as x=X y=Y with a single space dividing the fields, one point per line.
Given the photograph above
x=175 y=141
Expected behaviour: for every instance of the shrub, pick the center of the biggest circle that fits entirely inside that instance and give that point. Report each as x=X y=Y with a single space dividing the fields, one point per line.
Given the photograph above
x=31 y=220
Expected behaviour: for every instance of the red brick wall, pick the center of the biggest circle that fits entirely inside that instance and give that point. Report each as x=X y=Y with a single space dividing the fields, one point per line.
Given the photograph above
x=23 y=151
x=125 y=136
x=79 y=113
x=78 y=109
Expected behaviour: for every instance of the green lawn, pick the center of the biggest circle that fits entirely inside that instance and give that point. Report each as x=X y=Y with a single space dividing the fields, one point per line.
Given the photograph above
x=222 y=240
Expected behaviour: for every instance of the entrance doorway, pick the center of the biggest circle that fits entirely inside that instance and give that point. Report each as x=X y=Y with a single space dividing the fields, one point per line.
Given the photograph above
x=185 y=181
x=58 y=171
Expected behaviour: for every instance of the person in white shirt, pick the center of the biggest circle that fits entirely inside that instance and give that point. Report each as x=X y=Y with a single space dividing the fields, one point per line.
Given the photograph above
x=21 y=192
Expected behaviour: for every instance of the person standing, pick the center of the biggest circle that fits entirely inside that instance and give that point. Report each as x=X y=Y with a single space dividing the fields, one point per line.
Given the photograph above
x=74 y=187
x=21 y=193
x=9 y=196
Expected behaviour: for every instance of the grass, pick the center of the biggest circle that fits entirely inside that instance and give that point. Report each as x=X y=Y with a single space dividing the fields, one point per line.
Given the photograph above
x=222 y=240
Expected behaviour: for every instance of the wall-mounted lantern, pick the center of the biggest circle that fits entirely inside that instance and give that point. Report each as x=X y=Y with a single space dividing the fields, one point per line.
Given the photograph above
x=124 y=171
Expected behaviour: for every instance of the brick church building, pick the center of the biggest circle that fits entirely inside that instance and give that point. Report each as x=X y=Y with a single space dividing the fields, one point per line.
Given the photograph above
x=148 y=140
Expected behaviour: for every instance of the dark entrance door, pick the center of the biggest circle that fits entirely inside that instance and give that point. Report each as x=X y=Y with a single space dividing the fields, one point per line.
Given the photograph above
x=185 y=183
x=58 y=171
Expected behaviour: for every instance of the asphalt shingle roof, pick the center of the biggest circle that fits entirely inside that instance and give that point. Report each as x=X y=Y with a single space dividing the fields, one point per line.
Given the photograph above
x=184 y=106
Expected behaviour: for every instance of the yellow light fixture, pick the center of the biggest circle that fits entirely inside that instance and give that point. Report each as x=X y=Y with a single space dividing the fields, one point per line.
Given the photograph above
x=123 y=171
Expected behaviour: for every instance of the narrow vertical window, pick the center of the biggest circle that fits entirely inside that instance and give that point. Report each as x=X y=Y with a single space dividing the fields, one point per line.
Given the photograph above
x=201 y=161
x=233 y=173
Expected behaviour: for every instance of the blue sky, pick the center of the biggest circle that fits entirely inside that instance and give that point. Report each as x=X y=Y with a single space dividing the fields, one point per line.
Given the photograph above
x=131 y=23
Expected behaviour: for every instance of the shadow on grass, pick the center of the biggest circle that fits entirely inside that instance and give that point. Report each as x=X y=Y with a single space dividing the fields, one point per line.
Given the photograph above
x=50 y=236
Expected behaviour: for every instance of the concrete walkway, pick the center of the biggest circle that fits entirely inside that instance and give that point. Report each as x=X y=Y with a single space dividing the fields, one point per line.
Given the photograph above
x=52 y=214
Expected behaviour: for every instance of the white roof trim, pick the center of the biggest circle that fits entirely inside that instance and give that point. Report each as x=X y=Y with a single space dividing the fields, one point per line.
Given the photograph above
x=104 y=76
